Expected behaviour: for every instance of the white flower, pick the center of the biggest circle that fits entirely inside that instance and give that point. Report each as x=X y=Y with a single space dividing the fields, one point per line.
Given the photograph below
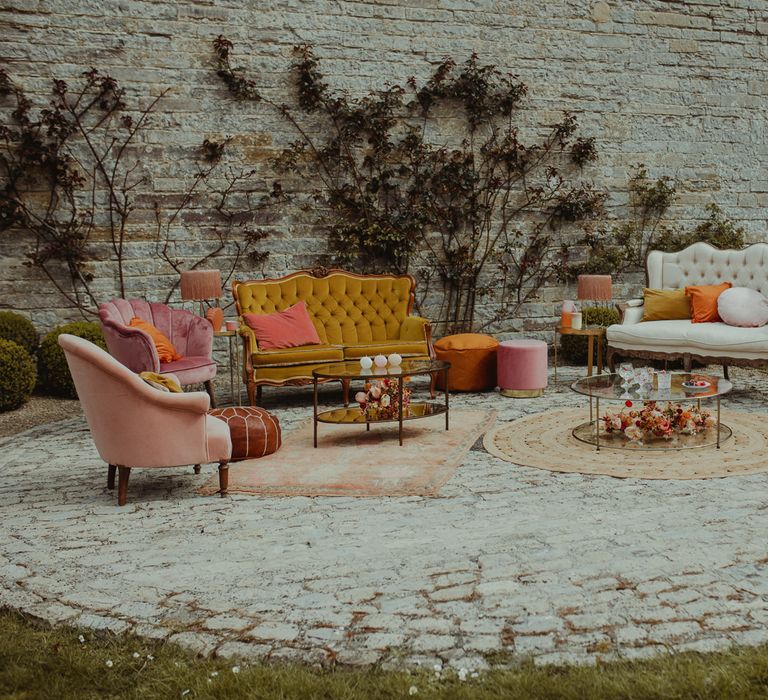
x=413 y=690
x=81 y=639
x=150 y=657
x=385 y=400
x=235 y=669
x=462 y=674
x=136 y=654
x=214 y=674
x=109 y=663
x=185 y=692
x=474 y=674
x=438 y=667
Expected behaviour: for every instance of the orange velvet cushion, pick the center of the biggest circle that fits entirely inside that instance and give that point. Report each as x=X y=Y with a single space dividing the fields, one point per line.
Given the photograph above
x=285 y=329
x=704 y=301
x=473 y=361
x=165 y=350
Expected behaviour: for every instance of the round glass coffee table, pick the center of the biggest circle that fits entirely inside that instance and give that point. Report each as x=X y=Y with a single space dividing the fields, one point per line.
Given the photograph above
x=346 y=371
x=608 y=387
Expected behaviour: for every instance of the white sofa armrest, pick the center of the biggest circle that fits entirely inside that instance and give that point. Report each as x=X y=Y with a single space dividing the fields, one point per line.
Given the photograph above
x=632 y=314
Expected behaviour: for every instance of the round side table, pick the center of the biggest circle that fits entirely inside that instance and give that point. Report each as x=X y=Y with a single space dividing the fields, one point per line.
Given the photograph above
x=591 y=333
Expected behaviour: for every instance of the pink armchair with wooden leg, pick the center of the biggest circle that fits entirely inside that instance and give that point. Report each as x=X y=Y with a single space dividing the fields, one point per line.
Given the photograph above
x=191 y=335
x=136 y=425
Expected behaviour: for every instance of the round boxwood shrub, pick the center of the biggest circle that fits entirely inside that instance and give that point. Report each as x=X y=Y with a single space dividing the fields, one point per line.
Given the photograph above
x=52 y=364
x=574 y=347
x=17 y=375
x=19 y=329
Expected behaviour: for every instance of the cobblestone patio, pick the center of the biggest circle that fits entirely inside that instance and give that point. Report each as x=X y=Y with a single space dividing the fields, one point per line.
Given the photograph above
x=507 y=563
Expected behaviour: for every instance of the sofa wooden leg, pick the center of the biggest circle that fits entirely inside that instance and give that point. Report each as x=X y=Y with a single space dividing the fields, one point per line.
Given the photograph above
x=725 y=371
x=209 y=389
x=111 y=469
x=197 y=468
x=251 y=389
x=223 y=477
x=123 y=473
x=259 y=392
x=345 y=388
x=432 y=383
x=687 y=362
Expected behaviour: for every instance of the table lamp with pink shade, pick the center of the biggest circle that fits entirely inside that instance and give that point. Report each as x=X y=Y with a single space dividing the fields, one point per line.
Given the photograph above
x=200 y=286
x=597 y=288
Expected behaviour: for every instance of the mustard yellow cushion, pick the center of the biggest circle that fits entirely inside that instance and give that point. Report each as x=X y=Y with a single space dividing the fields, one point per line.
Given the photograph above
x=404 y=348
x=665 y=305
x=302 y=355
x=161 y=382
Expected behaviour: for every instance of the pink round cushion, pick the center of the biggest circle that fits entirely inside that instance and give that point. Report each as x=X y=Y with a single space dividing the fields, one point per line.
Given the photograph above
x=742 y=306
x=522 y=364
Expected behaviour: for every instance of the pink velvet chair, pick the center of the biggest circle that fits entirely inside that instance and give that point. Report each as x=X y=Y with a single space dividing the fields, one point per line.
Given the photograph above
x=191 y=335
x=136 y=425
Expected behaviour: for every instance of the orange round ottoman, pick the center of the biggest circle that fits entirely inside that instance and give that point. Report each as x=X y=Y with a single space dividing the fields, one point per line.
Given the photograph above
x=254 y=431
x=473 y=361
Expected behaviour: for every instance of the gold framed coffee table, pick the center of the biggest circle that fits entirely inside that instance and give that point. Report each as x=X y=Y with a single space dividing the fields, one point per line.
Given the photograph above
x=346 y=371
x=609 y=387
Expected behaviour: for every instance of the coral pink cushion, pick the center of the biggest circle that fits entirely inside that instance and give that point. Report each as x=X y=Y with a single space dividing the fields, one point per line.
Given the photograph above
x=285 y=329
x=742 y=306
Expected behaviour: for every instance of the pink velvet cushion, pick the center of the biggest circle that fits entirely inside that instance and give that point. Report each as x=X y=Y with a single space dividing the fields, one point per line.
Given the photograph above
x=742 y=306
x=285 y=329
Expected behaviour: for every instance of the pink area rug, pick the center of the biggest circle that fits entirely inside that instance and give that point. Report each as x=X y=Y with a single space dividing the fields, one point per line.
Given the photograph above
x=350 y=461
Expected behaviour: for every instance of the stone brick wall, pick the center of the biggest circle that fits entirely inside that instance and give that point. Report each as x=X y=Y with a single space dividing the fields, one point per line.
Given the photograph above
x=679 y=86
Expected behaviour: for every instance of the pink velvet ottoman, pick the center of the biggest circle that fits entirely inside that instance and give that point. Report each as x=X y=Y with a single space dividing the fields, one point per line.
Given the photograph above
x=522 y=367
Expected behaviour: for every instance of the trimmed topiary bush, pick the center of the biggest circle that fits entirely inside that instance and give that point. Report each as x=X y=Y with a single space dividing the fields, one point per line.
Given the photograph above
x=52 y=364
x=574 y=347
x=19 y=329
x=17 y=375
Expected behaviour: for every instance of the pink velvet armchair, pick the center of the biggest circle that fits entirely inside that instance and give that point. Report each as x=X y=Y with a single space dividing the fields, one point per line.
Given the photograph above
x=136 y=425
x=191 y=335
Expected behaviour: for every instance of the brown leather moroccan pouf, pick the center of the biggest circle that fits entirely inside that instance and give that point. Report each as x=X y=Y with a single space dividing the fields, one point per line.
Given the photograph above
x=254 y=431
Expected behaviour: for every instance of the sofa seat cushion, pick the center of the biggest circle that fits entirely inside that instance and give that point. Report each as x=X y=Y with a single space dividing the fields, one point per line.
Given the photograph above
x=306 y=354
x=405 y=348
x=651 y=333
x=190 y=370
x=717 y=339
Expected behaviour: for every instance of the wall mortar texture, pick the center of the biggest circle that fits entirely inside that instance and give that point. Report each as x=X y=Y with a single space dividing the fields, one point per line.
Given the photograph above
x=679 y=86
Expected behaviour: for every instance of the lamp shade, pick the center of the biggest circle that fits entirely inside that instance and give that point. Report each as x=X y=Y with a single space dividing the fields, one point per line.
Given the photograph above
x=197 y=285
x=595 y=288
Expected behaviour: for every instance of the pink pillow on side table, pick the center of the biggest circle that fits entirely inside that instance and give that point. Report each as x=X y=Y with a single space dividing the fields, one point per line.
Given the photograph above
x=285 y=329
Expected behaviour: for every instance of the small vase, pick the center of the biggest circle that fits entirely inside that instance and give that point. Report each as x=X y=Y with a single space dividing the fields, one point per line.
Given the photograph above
x=216 y=316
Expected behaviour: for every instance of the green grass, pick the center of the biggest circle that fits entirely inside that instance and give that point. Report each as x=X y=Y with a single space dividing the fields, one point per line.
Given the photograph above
x=37 y=661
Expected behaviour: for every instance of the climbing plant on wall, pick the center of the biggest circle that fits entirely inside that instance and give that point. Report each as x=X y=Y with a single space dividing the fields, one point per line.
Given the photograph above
x=624 y=245
x=435 y=178
x=72 y=172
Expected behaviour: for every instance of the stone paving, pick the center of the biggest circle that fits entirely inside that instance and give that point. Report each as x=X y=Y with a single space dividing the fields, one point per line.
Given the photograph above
x=506 y=563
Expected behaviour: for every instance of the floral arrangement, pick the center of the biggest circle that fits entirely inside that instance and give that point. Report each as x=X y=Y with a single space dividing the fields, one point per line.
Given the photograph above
x=656 y=421
x=380 y=398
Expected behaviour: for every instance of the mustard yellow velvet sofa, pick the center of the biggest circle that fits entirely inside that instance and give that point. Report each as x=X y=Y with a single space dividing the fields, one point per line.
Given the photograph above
x=355 y=315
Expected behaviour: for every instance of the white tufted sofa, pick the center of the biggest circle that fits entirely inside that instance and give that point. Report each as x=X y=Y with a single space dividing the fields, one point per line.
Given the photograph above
x=699 y=263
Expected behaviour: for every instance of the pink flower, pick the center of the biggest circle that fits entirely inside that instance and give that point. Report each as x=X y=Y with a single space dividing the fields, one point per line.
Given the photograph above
x=375 y=392
x=360 y=397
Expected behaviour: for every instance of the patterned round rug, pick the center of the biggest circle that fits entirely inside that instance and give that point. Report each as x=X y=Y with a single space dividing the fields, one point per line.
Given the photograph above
x=544 y=441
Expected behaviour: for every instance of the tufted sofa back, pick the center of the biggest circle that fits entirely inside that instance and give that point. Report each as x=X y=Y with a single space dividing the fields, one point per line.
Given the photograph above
x=701 y=263
x=346 y=308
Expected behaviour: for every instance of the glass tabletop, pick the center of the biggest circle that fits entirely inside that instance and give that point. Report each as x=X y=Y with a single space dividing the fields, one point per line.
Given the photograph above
x=353 y=370
x=609 y=386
